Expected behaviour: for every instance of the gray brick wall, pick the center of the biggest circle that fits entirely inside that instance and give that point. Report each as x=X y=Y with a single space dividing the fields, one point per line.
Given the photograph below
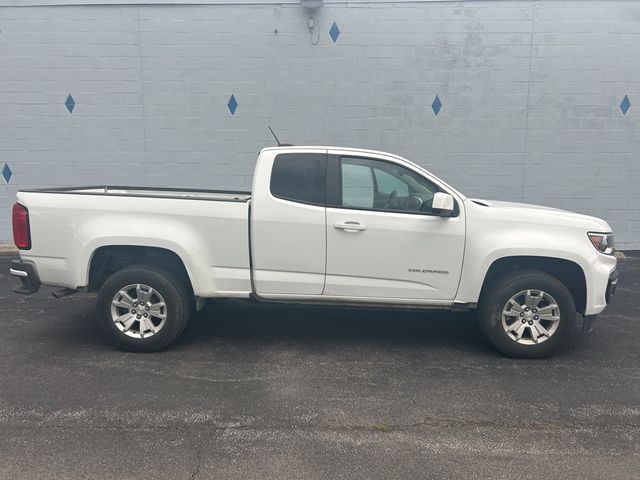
x=530 y=95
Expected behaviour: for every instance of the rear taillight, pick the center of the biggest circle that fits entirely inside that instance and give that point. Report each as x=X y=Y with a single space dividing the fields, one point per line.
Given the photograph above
x=21 y=232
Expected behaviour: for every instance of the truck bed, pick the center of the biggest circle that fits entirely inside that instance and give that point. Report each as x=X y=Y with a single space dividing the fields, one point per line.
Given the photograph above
x=126 y=191
x=207 y=229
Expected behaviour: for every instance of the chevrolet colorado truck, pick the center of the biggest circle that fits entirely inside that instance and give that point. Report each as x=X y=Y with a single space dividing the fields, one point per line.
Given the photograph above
x=322 y=225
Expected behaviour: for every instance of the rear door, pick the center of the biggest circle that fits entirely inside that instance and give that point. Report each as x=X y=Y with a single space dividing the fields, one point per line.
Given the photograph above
x=288 y=224
x=383 y=241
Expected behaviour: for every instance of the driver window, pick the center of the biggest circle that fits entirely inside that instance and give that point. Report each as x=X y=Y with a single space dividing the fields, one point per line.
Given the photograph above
x=379 y=185
x=388 y=183
x=357 y=186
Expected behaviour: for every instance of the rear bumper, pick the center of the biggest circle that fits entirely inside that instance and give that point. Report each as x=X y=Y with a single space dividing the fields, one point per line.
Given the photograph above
x=26 y=272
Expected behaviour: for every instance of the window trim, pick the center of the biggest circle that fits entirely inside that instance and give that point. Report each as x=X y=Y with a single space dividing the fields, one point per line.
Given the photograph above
x=334 y=178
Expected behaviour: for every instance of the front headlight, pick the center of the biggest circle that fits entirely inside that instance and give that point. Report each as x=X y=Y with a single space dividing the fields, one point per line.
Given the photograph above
x=602 y=241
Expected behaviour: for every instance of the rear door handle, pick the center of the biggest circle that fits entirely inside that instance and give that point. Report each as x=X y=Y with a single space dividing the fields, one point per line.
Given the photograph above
x=350 y=226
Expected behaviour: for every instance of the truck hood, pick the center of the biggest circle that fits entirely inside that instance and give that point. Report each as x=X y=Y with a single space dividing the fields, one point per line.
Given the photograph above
x=577 y=219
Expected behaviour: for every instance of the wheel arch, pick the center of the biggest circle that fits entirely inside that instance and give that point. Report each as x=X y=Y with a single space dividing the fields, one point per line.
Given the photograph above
x=108 y=259
x=566 y=271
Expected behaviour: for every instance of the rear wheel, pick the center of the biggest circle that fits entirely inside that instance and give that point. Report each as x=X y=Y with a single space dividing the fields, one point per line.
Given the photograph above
x=142 y=309
x=527 y=314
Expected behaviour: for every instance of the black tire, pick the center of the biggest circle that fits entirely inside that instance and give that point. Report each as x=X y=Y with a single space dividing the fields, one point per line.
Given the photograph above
x=172 y=290
x=500 y=291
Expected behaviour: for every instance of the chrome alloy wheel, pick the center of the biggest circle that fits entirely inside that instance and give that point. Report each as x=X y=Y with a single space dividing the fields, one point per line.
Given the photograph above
x=530 y=317
x=138 y=311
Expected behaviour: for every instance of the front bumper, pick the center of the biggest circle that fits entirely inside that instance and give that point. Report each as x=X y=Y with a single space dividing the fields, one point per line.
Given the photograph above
x=611 y=286
x=26 y=272
x=587 y=325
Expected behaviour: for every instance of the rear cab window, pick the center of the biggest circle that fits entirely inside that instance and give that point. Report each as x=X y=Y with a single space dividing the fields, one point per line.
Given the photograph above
x=300 y=177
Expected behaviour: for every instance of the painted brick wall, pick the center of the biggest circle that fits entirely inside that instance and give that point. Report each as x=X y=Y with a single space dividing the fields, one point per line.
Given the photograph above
x=530 y=93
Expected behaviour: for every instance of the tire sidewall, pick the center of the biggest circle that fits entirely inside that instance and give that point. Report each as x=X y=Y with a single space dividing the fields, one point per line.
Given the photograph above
x=175 y=297
x=502 y=290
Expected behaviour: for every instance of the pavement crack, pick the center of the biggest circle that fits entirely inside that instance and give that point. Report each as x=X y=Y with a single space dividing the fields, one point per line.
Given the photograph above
x=198 y=461
x=197 y=470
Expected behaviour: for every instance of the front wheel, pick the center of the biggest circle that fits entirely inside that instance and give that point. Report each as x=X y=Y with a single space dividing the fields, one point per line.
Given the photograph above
x=142 y=309
x=527 y=314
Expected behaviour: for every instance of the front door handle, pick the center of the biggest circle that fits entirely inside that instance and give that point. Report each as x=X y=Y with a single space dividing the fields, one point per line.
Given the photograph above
x=350 y=226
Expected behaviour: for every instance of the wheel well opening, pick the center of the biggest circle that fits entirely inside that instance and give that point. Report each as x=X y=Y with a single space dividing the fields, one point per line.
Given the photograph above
x=568 y=272
x=108 y=260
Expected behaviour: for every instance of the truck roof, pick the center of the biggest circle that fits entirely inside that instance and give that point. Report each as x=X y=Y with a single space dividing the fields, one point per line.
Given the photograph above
x=325 y=147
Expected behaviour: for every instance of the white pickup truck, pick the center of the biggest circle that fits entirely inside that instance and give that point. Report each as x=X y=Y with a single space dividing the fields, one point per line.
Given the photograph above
x=321 y=225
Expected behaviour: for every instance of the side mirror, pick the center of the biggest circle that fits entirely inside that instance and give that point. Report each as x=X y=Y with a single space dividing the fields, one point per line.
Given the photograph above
x=443 y=204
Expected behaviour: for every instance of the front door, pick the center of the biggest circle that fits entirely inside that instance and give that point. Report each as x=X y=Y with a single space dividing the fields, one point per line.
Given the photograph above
x=383 y=240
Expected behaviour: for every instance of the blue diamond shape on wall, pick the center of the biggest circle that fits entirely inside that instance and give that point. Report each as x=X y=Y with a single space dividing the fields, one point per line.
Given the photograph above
x=232 y=105
x=7 y=173
x=70 y=104
x=334 y=33
x=625 y=105
x=436 y=105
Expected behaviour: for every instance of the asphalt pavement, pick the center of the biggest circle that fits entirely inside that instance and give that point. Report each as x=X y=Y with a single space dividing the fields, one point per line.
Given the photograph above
x=288 y=392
